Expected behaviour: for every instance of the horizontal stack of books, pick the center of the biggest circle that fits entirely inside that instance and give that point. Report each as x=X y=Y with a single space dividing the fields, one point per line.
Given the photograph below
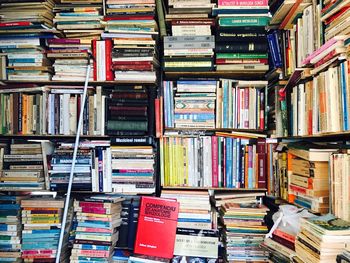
x=241 y=43
x=92 y=169
x=339 y=185
x=211 y=104
x=190 y=46
x=79 y=19
x=308 y=184
x=23 y=168
x=71 y=58
x=98 y=218
x=133 y=169
x=322 y=238
x=128 y=111
x=213 y=161
x=244 y=228
x=195 y=209
x=41 y=219
x=11 y=228
x=335 y=16
x=134 y=31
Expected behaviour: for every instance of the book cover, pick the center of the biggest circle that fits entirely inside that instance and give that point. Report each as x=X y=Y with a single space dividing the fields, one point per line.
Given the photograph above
x=157 y=217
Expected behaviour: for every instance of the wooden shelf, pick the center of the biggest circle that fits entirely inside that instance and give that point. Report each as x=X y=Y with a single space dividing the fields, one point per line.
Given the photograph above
x=217 y=74
x=321 y=135
x=212 y=188
x=91 y=83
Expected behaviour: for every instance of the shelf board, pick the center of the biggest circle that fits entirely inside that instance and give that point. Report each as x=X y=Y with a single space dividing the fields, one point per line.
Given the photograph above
x=321 y=135
x=212 y=188
x=216 y=74
x=91 y=83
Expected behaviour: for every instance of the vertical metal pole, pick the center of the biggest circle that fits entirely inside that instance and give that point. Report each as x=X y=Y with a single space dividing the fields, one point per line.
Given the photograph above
x=76 y=145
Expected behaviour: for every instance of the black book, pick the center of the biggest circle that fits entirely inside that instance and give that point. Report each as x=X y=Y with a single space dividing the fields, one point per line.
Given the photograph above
x=241 y=47
x=241 y=37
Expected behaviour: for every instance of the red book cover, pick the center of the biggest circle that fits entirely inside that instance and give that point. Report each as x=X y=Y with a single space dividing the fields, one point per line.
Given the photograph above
x=156 y=227
x=109 y=71
x=215 y=159
x=261 y=159
x=262 y=111
x=243 y=2
x=94 y=43
x=63 y=41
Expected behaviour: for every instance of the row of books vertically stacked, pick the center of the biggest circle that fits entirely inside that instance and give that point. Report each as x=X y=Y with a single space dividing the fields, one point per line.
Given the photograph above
x=235 y=42
x=55 y=110
x=63 y=34
x=100 y=167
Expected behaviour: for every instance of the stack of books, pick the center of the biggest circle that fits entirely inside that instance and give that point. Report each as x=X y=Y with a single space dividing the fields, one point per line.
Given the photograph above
x=128 y=111
x=335 y=16
x=244 y=228
x=213 y=161
x=121 y=256
x=71 y=58
x=308 y=181
x=92 y=169
x=241 y=43
x=98 y=218
x=134 y=31
x=23 y=168
x=133 y=169
x=10 y=225
x=41 y=219
x=195 y=209
x=24 y=27
x=191 y=106
x=322 y=238
x=190 y=46
x=338 y=186
x=79 y=19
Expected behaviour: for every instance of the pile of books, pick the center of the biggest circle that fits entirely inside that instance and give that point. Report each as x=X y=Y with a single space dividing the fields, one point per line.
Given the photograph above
x=244 y=228
x=308 y=182
x=26 y=57
x=322 y=238
x=344 y=257
x=79 y=19
x=98 y=218
x=133 y=169
x=190 y=46
x=71 y=58
x=23 y=168
x=335 y=16
x=213 y=161
x=92 y=169
x=129 y=111
x=338 y=187
x=241 y=43
x=10 y=228
x=191 y=106
x=41 y=219
x=195 y=209
x=134 y=31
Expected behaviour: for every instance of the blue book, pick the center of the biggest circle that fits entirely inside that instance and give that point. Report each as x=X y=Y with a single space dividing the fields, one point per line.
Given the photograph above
x=92 y=247
x=99 y=155
x=276 y=45
x=229 y=162
x=10 y=207
x=344 y=96
x=234 y=163
x=133 y=174
x=272 y=50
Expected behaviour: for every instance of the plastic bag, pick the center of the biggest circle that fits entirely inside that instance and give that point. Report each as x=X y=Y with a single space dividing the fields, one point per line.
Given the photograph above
x=287 y=219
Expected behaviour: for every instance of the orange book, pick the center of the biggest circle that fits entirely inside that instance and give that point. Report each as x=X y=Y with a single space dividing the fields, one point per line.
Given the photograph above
x=24 y=114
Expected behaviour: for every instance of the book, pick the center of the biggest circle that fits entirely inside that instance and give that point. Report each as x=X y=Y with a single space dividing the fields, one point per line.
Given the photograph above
x=157 y=216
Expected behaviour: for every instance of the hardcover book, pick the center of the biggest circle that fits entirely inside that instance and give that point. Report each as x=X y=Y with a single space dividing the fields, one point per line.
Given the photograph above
x=156 y=228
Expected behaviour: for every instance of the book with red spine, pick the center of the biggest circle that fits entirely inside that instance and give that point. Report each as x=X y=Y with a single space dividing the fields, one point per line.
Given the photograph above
x=215 y=160
x=109 y=71
x=94 y=43
x=156 y=227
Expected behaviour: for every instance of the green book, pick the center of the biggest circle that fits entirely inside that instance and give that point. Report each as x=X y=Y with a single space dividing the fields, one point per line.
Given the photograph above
x=241 y=55
x=244 y=21
x=127 y=125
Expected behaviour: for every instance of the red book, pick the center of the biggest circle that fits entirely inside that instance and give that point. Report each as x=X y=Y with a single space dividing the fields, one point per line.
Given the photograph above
x=215 y=160
x=19 y=23
x=94 y=43
x=156 y=228
x=63 y=41
x=261 y=159
x=109 y=71
x=243 y=2
x=262 y=111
